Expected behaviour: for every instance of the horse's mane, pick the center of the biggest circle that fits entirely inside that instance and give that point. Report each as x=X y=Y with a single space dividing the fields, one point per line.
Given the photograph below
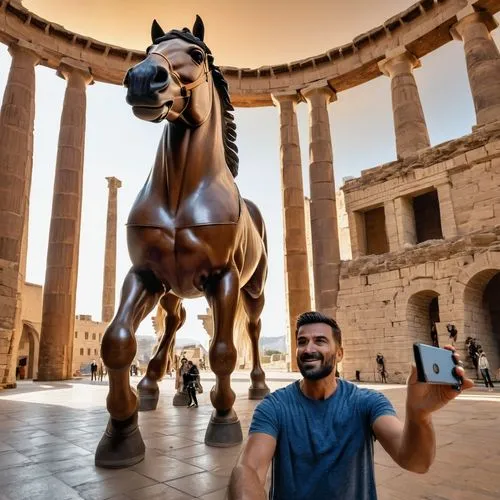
x=228 y=124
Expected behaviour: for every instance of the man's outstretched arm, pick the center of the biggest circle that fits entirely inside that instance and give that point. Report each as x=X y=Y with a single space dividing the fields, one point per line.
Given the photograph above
x=413 y=445
x=248 y=478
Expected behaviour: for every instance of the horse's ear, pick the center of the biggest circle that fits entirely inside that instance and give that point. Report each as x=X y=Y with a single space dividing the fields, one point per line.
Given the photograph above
x=156 y=31
x=199 y=28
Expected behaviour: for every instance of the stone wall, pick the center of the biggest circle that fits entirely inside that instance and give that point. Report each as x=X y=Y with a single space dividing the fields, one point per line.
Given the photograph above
x=384 y=301
x=464 y=173
x=31 y=309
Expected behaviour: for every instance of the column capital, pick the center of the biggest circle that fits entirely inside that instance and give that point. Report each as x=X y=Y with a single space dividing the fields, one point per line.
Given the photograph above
x=398 y=60
x=289 y=96
x=321 y=86
x=468 y=15
x=113 y=182
x=71 y=67
x=25 y=48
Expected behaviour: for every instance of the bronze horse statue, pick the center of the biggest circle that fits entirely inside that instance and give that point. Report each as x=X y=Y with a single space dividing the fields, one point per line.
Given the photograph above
x=190 y=234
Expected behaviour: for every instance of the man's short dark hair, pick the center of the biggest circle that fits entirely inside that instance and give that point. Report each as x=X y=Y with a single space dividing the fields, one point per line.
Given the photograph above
x=310 y=317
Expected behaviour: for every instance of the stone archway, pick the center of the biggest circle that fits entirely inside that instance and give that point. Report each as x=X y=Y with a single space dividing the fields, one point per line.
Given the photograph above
x=421 y=311
x=482 y=313
x=29 y=346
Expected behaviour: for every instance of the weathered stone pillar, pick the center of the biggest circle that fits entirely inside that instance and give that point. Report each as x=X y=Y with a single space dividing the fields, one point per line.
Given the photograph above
x=391 y=225
x=59 y=292
x=324 y=225
x=357 y=233
x=483 y=61
x=448 y=221
x=405 y=220
x=409 y=122
x=109 y=281
x=17 y=117
x=296 y=272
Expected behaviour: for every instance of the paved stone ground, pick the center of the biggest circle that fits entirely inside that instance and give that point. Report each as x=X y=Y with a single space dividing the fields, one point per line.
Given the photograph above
x=49 y=431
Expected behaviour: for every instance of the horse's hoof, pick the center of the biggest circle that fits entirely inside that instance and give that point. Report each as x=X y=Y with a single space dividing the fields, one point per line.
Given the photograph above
x=121 y=445
x=149 y=394
x=180 y=399
x=224 y=431
x=148 y=402
x=258 y=392
x=148 y=399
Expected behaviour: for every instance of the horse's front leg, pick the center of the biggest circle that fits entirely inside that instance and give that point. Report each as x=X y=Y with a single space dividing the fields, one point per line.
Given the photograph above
x=224 y=428
x=149 y=392
x=122 y=444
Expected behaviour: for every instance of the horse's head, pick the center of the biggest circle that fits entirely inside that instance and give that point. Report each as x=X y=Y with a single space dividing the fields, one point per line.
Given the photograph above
x=174 y=79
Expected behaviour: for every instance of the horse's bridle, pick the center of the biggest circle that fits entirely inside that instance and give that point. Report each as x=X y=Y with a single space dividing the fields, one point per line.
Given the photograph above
x=186 y=88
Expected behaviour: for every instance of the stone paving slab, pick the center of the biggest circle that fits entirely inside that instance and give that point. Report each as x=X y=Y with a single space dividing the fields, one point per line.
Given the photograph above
x=49 y=431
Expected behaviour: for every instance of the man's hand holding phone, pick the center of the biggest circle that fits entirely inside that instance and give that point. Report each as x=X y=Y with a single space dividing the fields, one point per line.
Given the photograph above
x=437 y=379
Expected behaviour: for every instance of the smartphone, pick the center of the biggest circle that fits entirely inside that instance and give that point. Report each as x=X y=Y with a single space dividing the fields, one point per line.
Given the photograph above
x=435 y=365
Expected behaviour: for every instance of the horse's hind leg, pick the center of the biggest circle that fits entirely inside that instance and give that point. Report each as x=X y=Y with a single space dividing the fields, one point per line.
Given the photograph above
x=122 y=444
x=253 y=307
x=149 y=392
x=224 y=428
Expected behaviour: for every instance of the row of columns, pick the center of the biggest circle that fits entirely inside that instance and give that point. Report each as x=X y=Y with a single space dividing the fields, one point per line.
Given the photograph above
x=16 y=149
x=16 y=153
x=483 y=67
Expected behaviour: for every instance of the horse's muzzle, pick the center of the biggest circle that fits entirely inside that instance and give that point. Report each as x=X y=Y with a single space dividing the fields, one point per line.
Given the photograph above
x=145 y=82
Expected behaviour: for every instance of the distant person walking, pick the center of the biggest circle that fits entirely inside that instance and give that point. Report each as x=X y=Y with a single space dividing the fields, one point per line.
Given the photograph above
x=452 y=332
x=192 y=377
x=381 y=368
x=93 y=371
x=484 y=366
x=434 y=335
x=180 y=382
x=100 y=371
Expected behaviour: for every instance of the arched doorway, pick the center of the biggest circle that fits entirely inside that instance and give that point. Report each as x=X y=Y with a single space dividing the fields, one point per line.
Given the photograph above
x=421 y=313
x=482 y=313
x=27 y=355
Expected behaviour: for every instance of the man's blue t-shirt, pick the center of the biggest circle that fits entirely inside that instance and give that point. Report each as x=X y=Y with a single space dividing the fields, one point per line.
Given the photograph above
x=324 y=448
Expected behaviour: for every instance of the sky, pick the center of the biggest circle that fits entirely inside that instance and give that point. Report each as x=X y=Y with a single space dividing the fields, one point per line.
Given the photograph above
x=243 y=33
x=120 y=145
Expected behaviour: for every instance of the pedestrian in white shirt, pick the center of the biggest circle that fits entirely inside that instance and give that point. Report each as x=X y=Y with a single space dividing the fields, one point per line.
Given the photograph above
x=484 y=366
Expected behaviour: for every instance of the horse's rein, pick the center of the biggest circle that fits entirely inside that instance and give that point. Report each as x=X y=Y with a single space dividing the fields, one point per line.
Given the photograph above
x=185 y=87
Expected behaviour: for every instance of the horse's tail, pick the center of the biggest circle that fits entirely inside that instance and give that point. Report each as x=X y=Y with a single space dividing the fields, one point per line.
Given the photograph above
x=257 y=219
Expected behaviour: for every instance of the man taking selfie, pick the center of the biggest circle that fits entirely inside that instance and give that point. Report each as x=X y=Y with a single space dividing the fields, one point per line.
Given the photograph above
x=319 y=431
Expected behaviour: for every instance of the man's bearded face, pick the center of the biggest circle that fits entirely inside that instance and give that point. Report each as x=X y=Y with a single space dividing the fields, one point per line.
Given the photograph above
x=316 y=351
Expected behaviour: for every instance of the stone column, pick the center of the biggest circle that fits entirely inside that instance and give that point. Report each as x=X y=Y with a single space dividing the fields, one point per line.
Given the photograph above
x=109 y=281
x=296 y=272
x=405 y=220
x=448 y=222
x=17 y=118
x=483 y=61
x=59 y=292
x=409 y=122
x=391 y=225
x=324 y=225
